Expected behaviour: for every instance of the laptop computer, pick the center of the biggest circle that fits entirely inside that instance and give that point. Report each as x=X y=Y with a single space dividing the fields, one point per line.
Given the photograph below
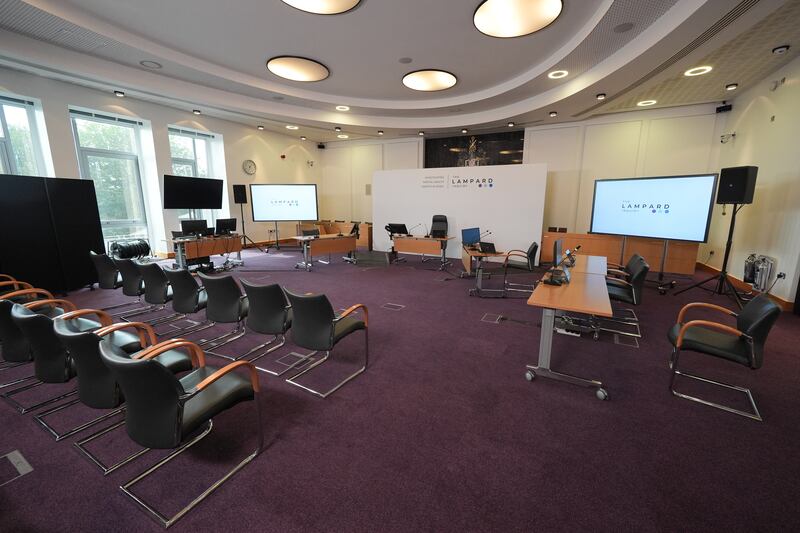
x=488 y=248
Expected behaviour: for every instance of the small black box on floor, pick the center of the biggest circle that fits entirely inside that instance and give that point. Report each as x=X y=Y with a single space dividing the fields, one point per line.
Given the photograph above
x=737 y=185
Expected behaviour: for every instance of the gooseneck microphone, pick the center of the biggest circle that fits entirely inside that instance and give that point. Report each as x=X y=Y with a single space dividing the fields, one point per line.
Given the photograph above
x=485 y=233
x=412 y=227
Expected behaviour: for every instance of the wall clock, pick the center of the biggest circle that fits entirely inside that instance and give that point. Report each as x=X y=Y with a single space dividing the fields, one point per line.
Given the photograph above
x=249 y=166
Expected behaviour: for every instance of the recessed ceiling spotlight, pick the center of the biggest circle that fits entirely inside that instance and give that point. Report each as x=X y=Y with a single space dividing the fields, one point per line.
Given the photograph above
x=553 y=114
x=600 y=96
x=645 y=103
x=464 y=130
x=323 y=7
x=278 y=98
x=260 y=127
x=303 y=137
x=511 y=124
x=342 y=108
x=196 y=111
x=150 y=64
x=292 y=127
x=429 y=80
x=405 y=60
x=558 y=74
x=421 y=133
x=298 y=68
x=780 y=50
x=337 y=129
x=119 y=94
x=698 y=71
x=731 y=86
x=515 y=18
x=343 y=136
x=380 y=132
x=622 y=28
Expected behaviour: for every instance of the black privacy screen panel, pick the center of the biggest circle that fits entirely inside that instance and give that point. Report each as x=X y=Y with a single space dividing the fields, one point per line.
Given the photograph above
x=475 y=150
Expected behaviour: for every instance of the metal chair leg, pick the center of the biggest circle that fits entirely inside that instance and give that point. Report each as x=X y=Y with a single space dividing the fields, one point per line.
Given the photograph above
x=21 y=380
x=297 y=363
x=755 y=415
x=227 y=338
x=106 y=469
x=77 y=429
x=261 y=347
x=322 y=360
x=188 y=330
x=7 y=365
x=7 y=396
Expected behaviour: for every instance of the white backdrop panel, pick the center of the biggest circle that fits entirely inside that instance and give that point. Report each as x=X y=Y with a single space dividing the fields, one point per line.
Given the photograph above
x=507 y=200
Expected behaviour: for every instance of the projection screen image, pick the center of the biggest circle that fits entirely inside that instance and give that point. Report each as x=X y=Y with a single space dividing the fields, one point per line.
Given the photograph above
x=676 y=207
x=284 y=202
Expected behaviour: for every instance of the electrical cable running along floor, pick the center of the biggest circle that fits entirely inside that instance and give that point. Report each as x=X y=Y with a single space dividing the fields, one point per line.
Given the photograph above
x=443 y=432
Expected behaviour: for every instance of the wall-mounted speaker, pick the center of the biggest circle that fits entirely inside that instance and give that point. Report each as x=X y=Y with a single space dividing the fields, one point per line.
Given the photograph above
x=737 y=185
x=239 y=194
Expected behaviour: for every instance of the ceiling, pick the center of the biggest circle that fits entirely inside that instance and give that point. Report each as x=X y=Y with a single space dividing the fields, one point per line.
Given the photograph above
x=213 y=58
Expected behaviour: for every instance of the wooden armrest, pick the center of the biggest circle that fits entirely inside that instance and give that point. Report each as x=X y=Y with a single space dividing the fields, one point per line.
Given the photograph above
x=64 y=304
x=707 y=324
x=195 y=352
x=105 y=318
x=230 y=368
x=141 y=328
x=16 y=284
x=617 y=281
x=353 y=308
x=523 y=252
x=686 y=308
x=26 y=292
x=619 y=272
x=614 y=265
x=7 y=277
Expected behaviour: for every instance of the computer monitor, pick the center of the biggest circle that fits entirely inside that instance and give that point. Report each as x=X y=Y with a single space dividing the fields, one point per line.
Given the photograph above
x=397 y=229
x=226 y=225
x=193 y=227
x=558 y=245
x=470 y=236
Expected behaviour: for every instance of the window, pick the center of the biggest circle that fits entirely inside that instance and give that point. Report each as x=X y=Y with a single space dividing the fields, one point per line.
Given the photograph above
x=108 y=154
x=20 y=152
x=191 y=156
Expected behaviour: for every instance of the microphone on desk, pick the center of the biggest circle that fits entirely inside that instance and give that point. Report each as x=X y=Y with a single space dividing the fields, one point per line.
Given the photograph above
x=427 y=233
x=485 y=233
x=413 y=227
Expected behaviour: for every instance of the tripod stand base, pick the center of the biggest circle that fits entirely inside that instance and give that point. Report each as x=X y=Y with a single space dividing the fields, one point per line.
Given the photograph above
x=724 y=286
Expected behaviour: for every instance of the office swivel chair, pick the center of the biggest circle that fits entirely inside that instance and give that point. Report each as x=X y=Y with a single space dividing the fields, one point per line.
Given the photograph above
x=743 y=344
x=16 y=348
x=167 y=412
x=316 y=327
x=269 y=313
x=132 y=285
x=187 y=297
x=528 y=265
x=225 y=305
x=157 y=291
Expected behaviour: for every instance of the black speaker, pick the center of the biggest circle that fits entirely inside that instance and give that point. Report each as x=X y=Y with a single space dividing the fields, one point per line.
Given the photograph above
x=737 y=185
x=239 y=194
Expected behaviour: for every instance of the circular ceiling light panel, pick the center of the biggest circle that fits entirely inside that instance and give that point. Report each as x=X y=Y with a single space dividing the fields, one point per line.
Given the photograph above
x=343 y=136
x=342 y=108
x=558 y=74
x=150 y=64
x=645 y=103
x=292 y=127
x=515 y=18
x=698 y=71
x=731 y=86
x=323 y=7
x=429 y=80
x=298 y=68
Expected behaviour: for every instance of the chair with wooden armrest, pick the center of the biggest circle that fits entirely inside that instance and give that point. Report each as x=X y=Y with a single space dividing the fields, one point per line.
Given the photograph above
x=225 y=305
x=316 y=327
x=167 y=412
x=12 y=285
x=7 y=277
x=188 y=298
x=16 y=349
x=743 y=344
x=618 y=271
x=269 y=314
x=529 y=257
x=51 y=360
x=132 y=285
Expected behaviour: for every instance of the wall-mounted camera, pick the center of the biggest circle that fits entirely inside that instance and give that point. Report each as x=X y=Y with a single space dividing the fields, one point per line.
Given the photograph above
x=725 y=138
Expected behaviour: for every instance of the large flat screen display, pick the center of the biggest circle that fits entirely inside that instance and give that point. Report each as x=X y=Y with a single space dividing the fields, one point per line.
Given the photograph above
x=674 y=207
x=182 y=192
x=284 y=202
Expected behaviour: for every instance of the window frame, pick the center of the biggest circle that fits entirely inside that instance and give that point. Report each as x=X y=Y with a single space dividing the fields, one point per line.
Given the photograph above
x=6 y=150
x=193 y=135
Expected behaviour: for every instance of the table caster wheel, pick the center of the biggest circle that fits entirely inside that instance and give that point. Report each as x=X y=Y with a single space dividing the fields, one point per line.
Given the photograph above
x=596 y=336
x=601 y=394
x=530 y=375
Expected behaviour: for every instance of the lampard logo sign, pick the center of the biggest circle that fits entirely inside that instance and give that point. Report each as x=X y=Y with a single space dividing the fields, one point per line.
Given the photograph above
x=638 y=207
x=458 y=182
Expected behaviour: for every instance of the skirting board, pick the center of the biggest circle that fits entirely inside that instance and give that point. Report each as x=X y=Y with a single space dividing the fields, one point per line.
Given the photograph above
x=742 y=286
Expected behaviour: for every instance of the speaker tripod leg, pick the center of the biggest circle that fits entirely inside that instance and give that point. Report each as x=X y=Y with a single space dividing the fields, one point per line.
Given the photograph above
x=698 y=284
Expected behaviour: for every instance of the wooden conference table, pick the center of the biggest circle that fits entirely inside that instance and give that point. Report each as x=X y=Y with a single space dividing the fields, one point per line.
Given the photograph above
x=422 y=245
x=187 y=248
x=324 y=244
x=585 y=293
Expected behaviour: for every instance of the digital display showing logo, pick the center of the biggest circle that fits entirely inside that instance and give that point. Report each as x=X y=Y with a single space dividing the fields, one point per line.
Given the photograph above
x=285 y=203
x=639 y=207
x=458 y=182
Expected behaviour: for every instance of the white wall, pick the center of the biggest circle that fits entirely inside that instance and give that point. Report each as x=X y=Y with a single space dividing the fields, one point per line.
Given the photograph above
x=240 y=142
x=767 y=126
x=347 y=169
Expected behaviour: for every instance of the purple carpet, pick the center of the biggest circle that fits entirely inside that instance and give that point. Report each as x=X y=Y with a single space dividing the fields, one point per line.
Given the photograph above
x=443 y=432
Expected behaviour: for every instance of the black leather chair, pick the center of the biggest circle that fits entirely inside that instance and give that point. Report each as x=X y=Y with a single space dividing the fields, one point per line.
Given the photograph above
x=108 y=276
x=310 y=232
x=167 y=412
x=187 y=297
x=16 y=348
x=743 y=344
x=51 y=361
x=529 y=263
x=225 y=305
x=316 y=327
x=618 y=271
x=7 y=286
x=132 y=285
x=628 y=291
x=439 y=227
x=269 y=313
x=157 y=291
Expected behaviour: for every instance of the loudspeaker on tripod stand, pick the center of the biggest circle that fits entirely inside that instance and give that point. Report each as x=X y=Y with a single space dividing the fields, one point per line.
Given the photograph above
x=240 y=198
x=737 y=185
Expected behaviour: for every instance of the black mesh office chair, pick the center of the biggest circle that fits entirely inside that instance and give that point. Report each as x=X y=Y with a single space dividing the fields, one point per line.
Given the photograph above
x=157 y=291
x=167 y=412
x=132 y=285
x=439 y=226
x=316 y=327
x=51 y=361
x=187 y=297
x=528 y=264
x=16 y=349
x=743 y=344
x=269 y=313
x=225 y=305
